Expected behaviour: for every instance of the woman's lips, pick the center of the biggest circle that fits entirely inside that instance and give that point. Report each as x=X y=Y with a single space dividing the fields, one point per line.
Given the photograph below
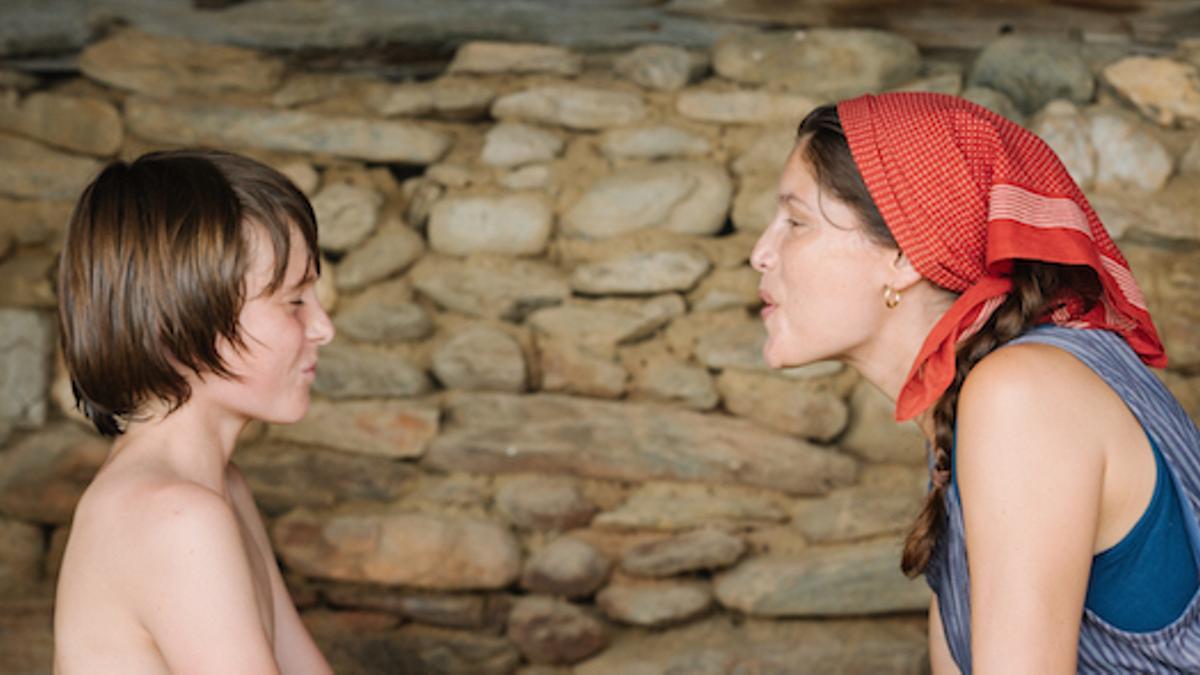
x=768 y=304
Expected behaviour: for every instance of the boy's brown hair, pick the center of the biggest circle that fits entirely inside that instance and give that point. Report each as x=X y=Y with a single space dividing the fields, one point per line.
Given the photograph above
x=153 y=273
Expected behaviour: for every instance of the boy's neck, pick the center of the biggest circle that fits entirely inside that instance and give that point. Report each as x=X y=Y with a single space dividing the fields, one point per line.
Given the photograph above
x=195 y=441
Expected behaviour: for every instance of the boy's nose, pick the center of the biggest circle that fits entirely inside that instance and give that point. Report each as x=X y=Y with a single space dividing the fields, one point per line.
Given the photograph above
x=320 y=326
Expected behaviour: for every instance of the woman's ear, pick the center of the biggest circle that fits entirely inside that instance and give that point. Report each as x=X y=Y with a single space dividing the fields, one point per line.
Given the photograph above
x=902 y=272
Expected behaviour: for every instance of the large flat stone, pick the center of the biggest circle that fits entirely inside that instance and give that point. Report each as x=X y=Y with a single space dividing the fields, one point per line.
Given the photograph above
x=26 y=281
x=43 y=474
x=408 y=549
x=1171 y=214
x=26 y=347
x=348 y=370
x=1164 y=90
x=346 y=214
x=21 y=554
x=655 y=603
x=552 y=631
x=875 y=435
x=490 y=286
x=451 y=98
x=283 y=476
x=75 y=123
x=703 y=549
x=362 y=643
x=180 y=123
x=661 y=67
x=859 y=512
x=824 y=581
x=391 y=250
x=1034 y=70
x=582 y=369
x=489 y=58
x=683 y=506
x=681 y=196
x=31 y=170
x=1127 y=155
x=391 y=428
x=34 y=221
x=167 y=66
x=481 y=357
x=724 y=644
x=1171 y=282
x=26 y=634
x=383 y=313
x=604 y=323
x=658 y=375
x=566 y=567
x=514 y=144
x=539 y=502
x=743 y=107
x=809 y=409
x=641 y=273
x=637 y=442
x=653 y=142
x=573 y=107
x=825 y=63
x=511 y=224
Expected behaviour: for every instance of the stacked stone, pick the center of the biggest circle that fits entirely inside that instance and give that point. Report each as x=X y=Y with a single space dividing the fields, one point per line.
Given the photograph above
x=544 y=436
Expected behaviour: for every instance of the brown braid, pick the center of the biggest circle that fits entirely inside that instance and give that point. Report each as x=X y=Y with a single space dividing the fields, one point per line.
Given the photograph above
x=1038 y=288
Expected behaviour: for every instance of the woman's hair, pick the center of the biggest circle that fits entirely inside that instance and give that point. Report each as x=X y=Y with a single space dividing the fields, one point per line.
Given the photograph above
x=153 y=269
x=1038 y=289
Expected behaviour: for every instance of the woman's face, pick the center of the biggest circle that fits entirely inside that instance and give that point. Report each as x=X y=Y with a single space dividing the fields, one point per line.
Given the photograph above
x=822 y=278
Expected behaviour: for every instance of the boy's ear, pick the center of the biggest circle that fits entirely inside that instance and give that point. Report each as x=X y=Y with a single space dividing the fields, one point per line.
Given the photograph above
x=902 y=271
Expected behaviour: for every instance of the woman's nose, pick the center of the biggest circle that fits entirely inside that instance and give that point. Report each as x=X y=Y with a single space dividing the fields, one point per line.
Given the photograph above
x=762 y=256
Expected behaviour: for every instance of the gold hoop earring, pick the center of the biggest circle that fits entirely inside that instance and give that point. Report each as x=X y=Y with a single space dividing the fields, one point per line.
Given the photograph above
x=891 y=297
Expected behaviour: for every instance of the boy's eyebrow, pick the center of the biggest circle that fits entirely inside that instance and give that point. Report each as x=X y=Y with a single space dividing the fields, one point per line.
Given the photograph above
x=309 y=277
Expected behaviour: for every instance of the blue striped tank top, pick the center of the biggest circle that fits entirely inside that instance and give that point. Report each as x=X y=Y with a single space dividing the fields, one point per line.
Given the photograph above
x=1103 y=648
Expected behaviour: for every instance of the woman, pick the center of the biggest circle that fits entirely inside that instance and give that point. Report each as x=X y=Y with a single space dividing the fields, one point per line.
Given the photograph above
x=946 y=254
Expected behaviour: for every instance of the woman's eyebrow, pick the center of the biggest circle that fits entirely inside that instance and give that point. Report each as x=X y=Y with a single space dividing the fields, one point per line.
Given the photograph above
x=790 y=198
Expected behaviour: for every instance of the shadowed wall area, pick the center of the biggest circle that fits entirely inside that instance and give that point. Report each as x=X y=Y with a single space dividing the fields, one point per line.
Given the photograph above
x=544 y=440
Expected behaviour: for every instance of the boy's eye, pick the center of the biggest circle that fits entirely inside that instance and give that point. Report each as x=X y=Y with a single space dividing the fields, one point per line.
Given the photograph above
x=795 y=223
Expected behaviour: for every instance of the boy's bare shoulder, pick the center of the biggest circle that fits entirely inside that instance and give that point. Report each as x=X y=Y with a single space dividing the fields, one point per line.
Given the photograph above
x=145 y=513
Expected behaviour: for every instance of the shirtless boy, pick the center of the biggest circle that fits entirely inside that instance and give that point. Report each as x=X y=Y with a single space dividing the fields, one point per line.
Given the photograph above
x=187 y=309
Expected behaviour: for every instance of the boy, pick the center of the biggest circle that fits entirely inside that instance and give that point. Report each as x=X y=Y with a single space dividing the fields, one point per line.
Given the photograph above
x=187 y=309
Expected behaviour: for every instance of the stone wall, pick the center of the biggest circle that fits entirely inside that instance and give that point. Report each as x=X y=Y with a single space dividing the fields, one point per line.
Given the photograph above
x=544 y=440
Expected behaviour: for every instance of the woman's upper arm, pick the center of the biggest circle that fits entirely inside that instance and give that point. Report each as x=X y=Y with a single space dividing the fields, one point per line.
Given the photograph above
x=1030 y=482
x=194 y=587
x=941 y=662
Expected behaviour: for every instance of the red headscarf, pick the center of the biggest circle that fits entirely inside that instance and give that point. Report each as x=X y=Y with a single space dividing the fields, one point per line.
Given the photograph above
x=965 y=191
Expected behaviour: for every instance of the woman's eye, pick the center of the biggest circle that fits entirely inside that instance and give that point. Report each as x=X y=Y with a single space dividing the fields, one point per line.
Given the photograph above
x=795 y=223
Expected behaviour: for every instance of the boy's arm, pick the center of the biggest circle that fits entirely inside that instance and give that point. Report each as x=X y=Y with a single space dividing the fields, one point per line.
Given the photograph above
x=192 y=587
x=295 y=649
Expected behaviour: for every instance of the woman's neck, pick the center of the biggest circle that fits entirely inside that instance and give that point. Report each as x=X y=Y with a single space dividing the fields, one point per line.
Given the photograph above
x=887 y=359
